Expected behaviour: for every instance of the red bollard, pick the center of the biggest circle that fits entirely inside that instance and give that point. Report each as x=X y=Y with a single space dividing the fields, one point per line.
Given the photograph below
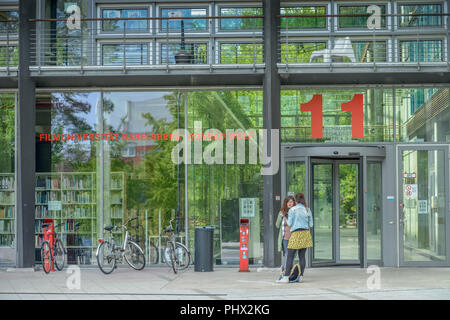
x=49 y=235
x=243 y=235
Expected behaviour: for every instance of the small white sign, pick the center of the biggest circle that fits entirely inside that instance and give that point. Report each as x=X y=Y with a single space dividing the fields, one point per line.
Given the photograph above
x=410 y=191
x=247 y=207
x=422 y=206
x=54 y=205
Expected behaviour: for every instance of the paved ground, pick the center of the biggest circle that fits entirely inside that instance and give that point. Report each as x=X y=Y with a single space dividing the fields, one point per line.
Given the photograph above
x=228 y=283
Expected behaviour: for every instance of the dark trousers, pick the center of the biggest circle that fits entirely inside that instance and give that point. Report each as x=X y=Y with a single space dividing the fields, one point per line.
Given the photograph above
x=290 y=260
x=285 y=249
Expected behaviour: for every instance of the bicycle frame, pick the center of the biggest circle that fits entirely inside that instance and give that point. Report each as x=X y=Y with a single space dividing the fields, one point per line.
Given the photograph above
x=113 y=242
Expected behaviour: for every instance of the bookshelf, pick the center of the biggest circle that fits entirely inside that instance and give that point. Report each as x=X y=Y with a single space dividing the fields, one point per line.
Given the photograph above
x=7 y=210
x=117 y=202
x=71 y=197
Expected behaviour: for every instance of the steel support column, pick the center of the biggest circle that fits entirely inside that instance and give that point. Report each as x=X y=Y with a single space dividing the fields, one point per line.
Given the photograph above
x=25 y=144
x=271 y=120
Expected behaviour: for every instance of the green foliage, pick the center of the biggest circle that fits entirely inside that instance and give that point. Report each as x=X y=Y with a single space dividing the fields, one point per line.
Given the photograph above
x=7 y=132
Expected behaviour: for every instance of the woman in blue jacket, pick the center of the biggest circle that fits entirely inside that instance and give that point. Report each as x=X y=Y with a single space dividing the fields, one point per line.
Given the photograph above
x=300 y=221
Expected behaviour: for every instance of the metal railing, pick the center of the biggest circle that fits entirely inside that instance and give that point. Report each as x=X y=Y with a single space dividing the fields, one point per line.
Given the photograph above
x=114 y=43
x=336 y=40
x=9 y=53
x=305 y=41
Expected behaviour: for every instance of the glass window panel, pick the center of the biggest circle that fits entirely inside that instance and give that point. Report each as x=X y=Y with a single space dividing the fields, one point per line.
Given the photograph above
x=11 y=27
x=322 y=208
x=7 y=179
x=303 y=22
x=215 y=191
x=420 y=21
x=189 y=24
x=67 y=172
x=130 y=25
x=423 y=115
x=358 y=21
x=348 y=212
x=241 y=23
x=337 y=125
x=364 y=51
x=300 y=52
x=241 y=53
x=9 y=56
x=424 y=212
x=140 y=179
x=421 y=51
x=374 y=200
x=199 y=52
x=295 y=178
x=113 y=54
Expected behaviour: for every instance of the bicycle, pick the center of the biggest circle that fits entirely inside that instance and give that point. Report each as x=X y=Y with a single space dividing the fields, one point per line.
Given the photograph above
x=176 y=254
x=55 y=253
x=108 y=253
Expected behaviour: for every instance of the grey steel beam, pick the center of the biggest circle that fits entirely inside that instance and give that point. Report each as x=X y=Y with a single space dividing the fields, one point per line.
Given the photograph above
x=271 y=120
x=363 y=78
x=142 y=80
x=25 y=144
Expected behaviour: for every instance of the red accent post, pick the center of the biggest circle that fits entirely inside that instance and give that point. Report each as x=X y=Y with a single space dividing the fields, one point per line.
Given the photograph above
x=243 y=235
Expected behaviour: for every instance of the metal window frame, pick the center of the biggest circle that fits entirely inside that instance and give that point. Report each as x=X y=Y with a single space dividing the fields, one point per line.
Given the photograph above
x=252 y=5
x=423 y=147
x=159 y=45
x=102 y=7
x=306 y=5
x=161 y=6
x=339 y=5
x=101 y=44
x=398 y=20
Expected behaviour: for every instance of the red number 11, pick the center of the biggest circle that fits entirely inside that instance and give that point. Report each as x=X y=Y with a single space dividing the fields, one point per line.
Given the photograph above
x=355 y=106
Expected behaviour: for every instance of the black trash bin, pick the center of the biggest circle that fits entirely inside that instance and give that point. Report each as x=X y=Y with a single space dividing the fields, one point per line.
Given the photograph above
x=204 y=249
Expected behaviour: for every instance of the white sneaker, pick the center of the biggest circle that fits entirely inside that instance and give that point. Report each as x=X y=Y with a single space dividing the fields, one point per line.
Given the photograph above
x=285 y=279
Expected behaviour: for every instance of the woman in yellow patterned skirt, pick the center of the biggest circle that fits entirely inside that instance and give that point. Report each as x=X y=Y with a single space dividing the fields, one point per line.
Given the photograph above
x=300 y=221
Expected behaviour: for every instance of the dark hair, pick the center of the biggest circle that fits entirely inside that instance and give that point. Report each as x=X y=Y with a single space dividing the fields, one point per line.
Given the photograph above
x=300 y=198
x=284 y=207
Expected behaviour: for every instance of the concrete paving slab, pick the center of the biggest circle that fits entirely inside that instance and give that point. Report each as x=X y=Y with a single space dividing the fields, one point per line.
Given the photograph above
x=228 y=283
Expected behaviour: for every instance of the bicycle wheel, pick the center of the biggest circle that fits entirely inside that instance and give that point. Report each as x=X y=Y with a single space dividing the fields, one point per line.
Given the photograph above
x=46 y=257
x=59 y=255
x=172 y=257
x=153 y=253
x=183 y=257
x=106 y=259
x=134 y=256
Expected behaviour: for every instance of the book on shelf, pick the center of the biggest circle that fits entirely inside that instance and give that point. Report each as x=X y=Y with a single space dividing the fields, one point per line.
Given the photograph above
x=7 y=212
x=47 y=182
x=76 y=197
x=38 y=240
x=41 y=212
x=42 y=197
x=7 y=226
x=6 y=240
x=77 y=181
x=77 y=212
x=7 y=183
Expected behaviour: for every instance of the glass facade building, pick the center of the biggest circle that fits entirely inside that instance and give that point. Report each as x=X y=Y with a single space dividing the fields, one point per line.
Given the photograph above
x=358 y=94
